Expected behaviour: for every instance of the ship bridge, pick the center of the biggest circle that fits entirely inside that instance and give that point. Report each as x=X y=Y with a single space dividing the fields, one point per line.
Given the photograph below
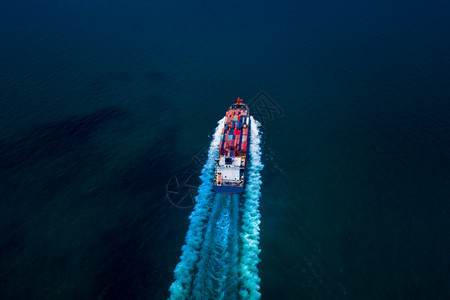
x=230 y=168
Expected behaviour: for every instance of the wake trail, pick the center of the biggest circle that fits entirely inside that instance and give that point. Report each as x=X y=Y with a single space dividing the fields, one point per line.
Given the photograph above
x=181 y=287
x=248 y=273
x=217 y=276
x=220 y=257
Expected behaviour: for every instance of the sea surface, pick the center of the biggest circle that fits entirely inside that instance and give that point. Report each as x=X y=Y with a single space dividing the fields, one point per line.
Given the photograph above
x=104 y=102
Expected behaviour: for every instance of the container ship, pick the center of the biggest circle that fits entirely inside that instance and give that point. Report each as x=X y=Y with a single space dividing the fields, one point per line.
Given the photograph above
x=230 y=167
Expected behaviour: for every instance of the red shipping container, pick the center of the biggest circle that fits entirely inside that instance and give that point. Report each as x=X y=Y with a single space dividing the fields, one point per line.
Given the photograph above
x=244 y=146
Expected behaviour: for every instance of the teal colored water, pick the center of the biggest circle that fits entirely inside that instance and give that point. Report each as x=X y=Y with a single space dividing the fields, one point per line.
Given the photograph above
x=103 y=102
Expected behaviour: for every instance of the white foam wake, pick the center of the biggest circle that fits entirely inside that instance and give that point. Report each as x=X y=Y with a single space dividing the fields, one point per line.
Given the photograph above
x=181 y=287
x=248 y=272
x=217 y=276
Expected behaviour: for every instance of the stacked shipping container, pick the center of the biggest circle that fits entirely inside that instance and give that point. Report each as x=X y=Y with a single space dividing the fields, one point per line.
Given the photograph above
x=235 y=133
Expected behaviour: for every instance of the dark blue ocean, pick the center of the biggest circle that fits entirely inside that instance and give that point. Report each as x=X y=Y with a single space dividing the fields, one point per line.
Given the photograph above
x=104 y=102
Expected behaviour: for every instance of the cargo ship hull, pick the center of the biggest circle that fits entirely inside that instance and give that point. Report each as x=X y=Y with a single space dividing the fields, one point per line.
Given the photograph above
x=231 y=164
